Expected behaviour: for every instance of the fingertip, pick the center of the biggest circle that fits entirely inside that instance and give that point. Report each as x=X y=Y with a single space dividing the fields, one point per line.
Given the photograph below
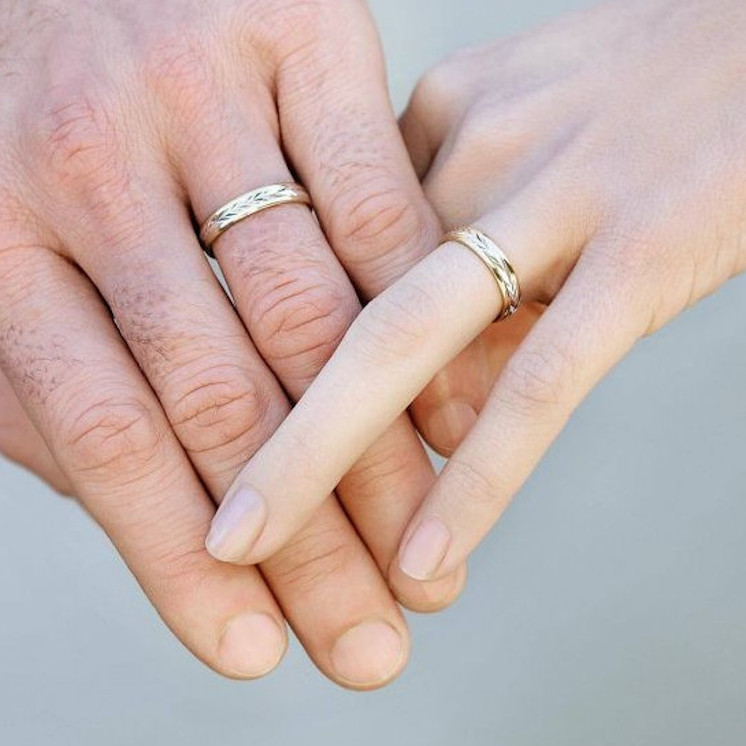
x=445 y=427
x=236 y=526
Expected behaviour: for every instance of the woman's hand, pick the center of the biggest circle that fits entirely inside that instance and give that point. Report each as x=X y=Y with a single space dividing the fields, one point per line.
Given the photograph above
x=606 y=154
x=119 y=125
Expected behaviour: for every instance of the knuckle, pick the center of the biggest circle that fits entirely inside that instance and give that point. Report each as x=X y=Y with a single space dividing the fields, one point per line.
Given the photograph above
x=22 y=237
x=220 y=406
x=476 y=132
x=626 y=253
x=628 y=261
x=492 y=128
x=491 y=135
x=302 y=321
x=114 y=436
x=539 y=379
x=437 y=90
x=315 y=557
x=178 y=69
x=77 y=146
x=378 y=219
x=185 y=565
x=296 y=29
x=387 y=462
x=440 y=93
x=395 y=326
x=471 y=483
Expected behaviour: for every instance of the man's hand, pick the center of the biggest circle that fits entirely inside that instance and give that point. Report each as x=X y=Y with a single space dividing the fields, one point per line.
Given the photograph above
x=121 y=126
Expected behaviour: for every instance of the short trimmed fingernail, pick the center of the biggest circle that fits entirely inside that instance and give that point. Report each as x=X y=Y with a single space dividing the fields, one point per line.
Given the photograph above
x=449 y=425
x=368 y=654
x=236 y=525
x=252 y=645
x=425 y=549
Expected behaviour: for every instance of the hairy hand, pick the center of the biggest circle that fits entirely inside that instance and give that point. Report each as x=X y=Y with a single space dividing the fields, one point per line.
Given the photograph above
x=121 y=124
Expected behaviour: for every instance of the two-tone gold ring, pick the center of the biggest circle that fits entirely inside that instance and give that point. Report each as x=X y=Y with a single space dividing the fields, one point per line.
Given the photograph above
x=257 y=200
x=496 y=262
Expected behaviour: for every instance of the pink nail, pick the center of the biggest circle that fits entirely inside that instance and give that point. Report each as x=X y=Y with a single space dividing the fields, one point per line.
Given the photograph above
x=425 y=550
x=252 y=644
x=368 y=654
x=237 y=525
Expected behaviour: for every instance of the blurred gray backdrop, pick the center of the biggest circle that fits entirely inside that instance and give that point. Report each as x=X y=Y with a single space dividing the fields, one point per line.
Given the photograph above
x=607 y=609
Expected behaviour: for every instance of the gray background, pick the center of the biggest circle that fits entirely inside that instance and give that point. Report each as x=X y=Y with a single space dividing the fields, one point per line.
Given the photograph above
x=609 y=607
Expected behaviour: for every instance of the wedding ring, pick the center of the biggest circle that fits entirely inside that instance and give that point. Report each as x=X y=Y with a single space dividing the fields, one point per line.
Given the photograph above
x=498 y=264
x=249 y=204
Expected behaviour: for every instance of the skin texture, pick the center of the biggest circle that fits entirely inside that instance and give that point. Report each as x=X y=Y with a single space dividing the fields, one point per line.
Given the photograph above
x=129 y=378
x=606 y=154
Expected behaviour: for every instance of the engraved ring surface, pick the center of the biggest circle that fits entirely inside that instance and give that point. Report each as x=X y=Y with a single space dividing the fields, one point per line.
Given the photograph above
x=496 y=261
x=249 y=204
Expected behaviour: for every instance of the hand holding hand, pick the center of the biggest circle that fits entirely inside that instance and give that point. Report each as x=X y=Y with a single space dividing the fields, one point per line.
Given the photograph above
x=606 y=155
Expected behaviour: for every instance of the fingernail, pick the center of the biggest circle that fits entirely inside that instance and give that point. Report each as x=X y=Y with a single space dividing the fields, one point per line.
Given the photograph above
x=252 y=645
x=368 y=654
x=236 y=525
x=421 y=556
x=449 y=425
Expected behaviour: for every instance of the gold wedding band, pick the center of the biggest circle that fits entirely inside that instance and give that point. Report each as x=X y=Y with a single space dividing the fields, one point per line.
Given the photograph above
x=263 y=198
x=498 y=264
